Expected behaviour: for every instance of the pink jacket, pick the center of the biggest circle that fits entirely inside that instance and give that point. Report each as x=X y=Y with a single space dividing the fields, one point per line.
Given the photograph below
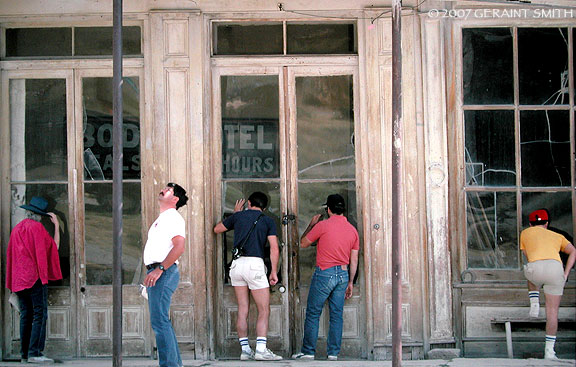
x=32 y=254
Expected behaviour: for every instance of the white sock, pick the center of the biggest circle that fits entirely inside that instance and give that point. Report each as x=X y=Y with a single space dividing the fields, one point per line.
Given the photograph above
x=261 y=344
x=550 y=341
x=245 y=345
x=534 y=303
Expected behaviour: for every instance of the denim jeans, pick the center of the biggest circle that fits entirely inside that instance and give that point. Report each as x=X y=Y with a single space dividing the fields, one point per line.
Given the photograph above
x=33 y=316
x=327 y=285
x=159 y=299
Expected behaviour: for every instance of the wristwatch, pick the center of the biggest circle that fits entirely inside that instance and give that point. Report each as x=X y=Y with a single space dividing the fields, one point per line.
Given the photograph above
x=161 y=267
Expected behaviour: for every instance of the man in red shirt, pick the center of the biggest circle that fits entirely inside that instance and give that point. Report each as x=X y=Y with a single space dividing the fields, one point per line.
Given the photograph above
x=31 y=261
x=337 y=252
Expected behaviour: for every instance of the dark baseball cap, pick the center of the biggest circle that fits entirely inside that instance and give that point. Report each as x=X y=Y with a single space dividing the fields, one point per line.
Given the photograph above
x=335 y=201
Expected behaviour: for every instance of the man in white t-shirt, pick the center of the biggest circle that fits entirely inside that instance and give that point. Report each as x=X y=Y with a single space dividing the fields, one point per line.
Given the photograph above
x=164 y=246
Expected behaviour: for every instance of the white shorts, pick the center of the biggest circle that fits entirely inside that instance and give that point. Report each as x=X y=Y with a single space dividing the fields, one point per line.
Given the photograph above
x=548 y=274
x=249 y=271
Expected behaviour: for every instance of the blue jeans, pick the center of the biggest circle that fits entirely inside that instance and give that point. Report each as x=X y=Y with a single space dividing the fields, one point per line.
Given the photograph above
x=329 y=284
x=159 y=299
x=33 y=316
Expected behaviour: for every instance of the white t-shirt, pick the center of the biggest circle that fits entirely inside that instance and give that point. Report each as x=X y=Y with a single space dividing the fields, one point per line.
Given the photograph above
x=168 y=225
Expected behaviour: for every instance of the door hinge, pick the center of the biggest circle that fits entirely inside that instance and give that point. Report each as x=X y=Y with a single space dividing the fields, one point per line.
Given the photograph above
x=288 y=218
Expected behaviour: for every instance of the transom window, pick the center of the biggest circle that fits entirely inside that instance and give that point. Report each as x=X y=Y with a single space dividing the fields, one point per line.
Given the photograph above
x=518 y=121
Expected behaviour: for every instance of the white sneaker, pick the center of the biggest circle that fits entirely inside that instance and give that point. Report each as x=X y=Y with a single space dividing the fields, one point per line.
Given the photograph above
x=550 y=354
x=247 y=356
x=266 y=355
x=534 y=310
x=332 y=358
x=40 y=360
x=303 y=357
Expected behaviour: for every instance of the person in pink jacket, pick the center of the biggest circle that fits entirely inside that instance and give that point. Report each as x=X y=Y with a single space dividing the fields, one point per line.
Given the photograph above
x=31 y=261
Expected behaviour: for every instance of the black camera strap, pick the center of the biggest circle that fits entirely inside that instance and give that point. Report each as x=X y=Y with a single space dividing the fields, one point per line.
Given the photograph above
x=240 y=247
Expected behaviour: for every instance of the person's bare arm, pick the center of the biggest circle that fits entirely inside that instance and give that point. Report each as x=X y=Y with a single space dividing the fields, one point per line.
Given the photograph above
x=177 y=251
x=305 y=242
x=571 y=251
x=54 y=220
x=353 y=269
x=274 y=257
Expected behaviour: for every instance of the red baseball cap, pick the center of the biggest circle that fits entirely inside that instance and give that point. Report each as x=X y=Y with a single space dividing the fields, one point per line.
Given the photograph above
x=538 y=215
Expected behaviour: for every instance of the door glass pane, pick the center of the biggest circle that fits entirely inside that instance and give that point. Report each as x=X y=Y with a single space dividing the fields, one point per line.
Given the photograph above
x=250 y=116
x=545 y=144
x=559 y=205
x=94 y=41
x=99 y=246
x=543 y=65
x=41 y=42
x=321 y=38
x=57 y=197
x=483 y=51
x=232 y=191
x=489 y=153
x=325 y=114
x=311 y=197
x=491 y=230
x=97 y=115
x=248 y=39
x=38 y=130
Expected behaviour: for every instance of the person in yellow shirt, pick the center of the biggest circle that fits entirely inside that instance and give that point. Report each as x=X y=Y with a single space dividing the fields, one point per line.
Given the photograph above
x=544 y=269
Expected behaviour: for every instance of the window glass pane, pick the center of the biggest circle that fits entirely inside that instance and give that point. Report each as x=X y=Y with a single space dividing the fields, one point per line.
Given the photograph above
x=97 y=97
x=21 y=42
x=325 y=114
x=326 y=38
x=57 y=197
x=491 y=233
x=232 y=191
x=99 y=246
x=543 y=65
x=250 y=115
x=38 y=130
x=559 y=206
x=545 y=143
x=489 y=153
x=485 y=50
x=248 y=39
x=94 y=41
x=311 y=197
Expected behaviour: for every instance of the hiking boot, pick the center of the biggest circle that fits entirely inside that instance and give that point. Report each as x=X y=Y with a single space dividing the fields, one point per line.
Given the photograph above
x=247 y=356
x=303 y=357
x=266 y=355
x=40 y=360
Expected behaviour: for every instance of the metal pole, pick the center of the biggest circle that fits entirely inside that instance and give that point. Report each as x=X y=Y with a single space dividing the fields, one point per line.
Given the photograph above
x=117 y=154
x=396 y=183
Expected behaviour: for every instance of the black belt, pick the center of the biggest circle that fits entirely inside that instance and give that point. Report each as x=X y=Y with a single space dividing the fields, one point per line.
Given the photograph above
x=152 y=266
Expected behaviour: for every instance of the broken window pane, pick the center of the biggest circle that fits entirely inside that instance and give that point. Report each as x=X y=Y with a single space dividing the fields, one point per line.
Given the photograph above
x=545 y=148
x=491 y=230
x=485 y=50
x=489 y=153
x=543 y=66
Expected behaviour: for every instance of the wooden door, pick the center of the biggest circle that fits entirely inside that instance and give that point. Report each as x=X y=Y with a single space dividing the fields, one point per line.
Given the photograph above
x=266 y=120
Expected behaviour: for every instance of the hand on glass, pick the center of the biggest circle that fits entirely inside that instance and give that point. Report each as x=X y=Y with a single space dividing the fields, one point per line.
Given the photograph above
x=315 y=219
x=239 y=205
x=54 y=219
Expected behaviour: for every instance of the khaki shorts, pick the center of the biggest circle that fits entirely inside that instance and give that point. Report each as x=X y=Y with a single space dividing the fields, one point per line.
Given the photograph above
x=249 y=271
x=547 y=273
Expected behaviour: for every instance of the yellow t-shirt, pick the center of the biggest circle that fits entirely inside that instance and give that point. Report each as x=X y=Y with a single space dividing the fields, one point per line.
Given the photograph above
x=540 y=243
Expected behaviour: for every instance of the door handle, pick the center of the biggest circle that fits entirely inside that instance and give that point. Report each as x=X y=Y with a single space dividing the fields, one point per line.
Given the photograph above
x=287 y=218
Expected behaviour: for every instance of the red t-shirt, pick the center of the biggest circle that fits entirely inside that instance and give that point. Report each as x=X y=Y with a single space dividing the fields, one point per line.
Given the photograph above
x=32 y=254
x=336 y=239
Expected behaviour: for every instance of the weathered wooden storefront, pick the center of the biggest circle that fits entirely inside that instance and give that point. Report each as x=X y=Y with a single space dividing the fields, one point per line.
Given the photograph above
x=293 y=99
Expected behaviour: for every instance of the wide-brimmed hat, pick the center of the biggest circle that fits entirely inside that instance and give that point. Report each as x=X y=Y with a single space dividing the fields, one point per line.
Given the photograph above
x=37 y=205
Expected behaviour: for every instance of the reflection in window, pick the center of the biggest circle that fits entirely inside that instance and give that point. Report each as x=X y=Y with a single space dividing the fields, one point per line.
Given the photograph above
x=97 y=112
x=492 y=239
x=38 y=128
x=57 y=197
x=545 y=142
x=543 y=65
x=485 y=50
x=99 y=240
x=489 y=153
x=325 y=113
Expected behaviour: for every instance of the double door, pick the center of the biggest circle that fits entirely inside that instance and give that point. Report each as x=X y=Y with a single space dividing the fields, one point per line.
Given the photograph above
x=289 y=132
